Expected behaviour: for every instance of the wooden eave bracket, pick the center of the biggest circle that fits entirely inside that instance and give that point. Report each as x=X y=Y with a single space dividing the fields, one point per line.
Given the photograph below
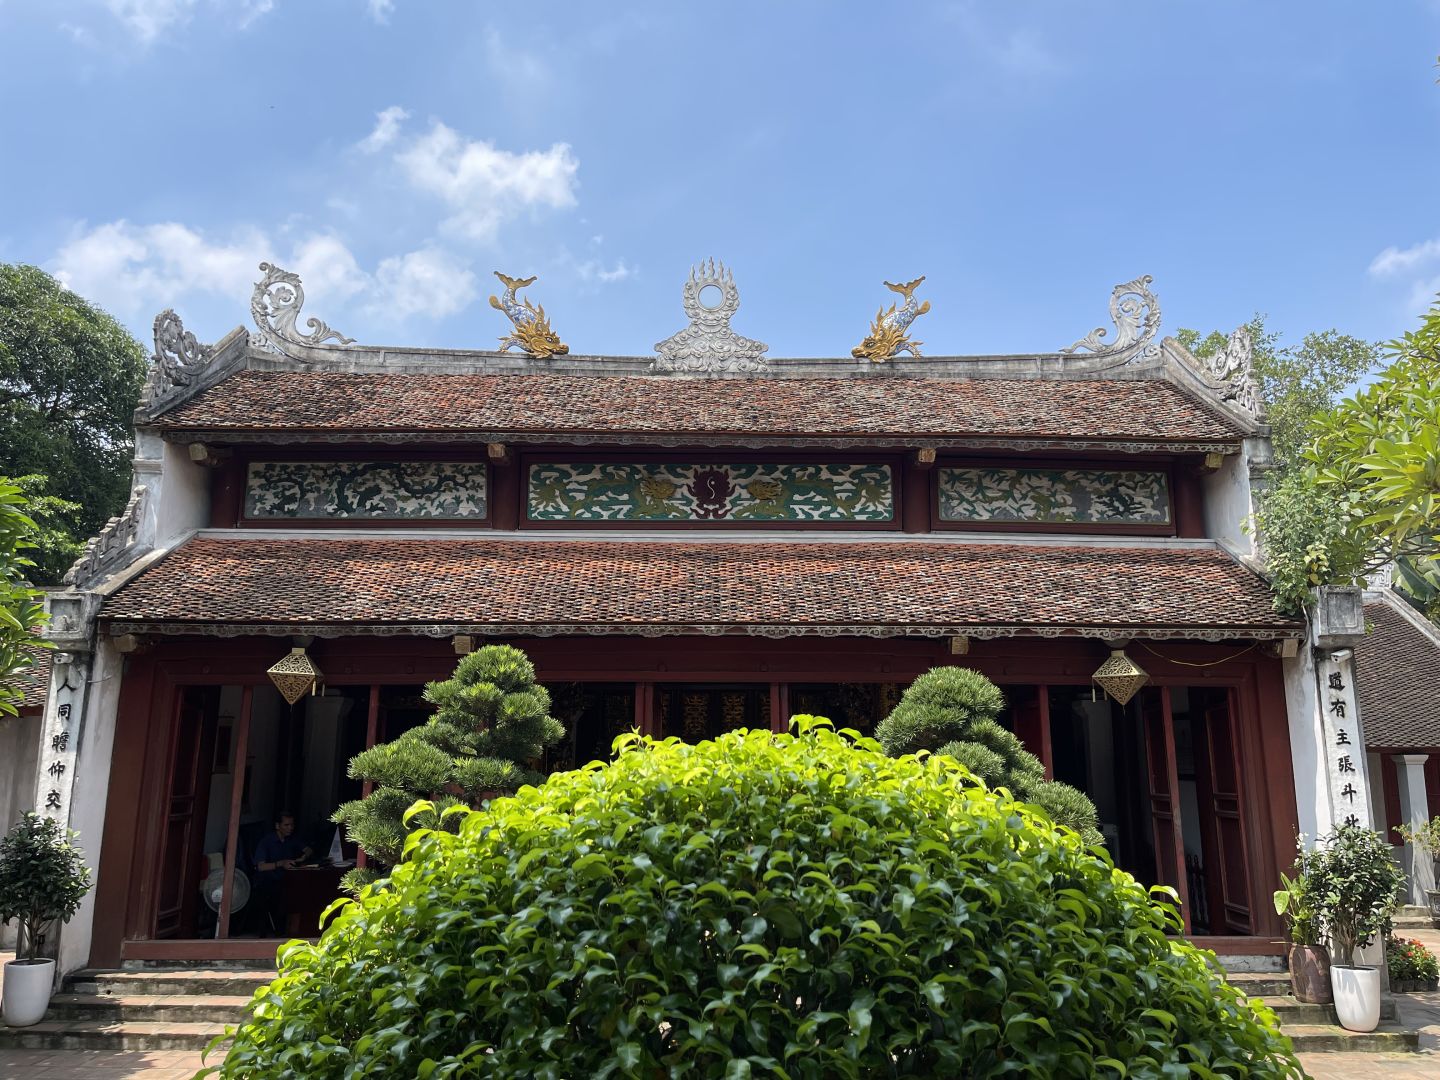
x=924 y=457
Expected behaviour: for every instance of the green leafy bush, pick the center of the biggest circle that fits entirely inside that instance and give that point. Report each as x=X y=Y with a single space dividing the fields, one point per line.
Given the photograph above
x=952 y=711
x=43 y=878
x=490 y=719
x=794 y=906
x=1355 y=886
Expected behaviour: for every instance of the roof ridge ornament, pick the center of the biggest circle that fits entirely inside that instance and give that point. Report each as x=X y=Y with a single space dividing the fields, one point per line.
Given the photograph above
x=276 y=305
x=708 y=344
x=108 y=549
x=531 y=332
x=889 y=333
x=1230 y=372
x=177 y=360
x=1134 y=332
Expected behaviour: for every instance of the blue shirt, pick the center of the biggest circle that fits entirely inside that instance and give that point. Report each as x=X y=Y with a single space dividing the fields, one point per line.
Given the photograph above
x=272 y=848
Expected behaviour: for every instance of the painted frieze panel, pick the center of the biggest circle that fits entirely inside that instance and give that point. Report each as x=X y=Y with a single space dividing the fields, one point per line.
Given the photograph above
x=366 y=490
x=1055 y=496
x=646 y=492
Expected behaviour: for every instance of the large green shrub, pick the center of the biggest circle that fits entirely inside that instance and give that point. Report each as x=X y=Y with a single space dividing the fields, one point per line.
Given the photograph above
x=1356 y=885
x=490 y=719
x=952 y=710
x=788 y=906
x=43 y=878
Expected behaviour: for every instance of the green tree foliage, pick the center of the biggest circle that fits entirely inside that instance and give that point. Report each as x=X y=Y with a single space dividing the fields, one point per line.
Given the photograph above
x=1355 y=885
x=21 y=611
x=70 y=376
x=1365 y=489
x=490 y=719
x=952 y=711
x=1296 y=381
x=43 y=877
x=782 y=906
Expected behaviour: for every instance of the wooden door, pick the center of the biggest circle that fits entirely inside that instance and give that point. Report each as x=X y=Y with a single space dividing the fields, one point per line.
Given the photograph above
x=192 y=748
x=1164 y=795
x=1221 y=768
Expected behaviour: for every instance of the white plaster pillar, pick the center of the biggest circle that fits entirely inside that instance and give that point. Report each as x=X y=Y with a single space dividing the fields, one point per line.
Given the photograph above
x=1415 y=811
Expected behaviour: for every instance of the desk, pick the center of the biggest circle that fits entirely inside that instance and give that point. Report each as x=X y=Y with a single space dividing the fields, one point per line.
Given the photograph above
x=306 y=891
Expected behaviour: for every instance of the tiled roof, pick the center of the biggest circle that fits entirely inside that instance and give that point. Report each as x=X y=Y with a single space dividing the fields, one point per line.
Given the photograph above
x=34 y=681
x=655 y=583
x=341 y=401
x=1397 y=676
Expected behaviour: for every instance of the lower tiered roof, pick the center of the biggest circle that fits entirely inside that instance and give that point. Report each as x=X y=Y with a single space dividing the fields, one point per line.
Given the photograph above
x=241 y=582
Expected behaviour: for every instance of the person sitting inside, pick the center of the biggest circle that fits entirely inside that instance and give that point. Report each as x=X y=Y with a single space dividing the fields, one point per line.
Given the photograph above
x=278 y=851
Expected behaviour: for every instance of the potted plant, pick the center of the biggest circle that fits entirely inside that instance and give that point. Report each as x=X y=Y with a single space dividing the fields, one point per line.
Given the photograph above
x=43 y=878
x=1306 y=957
x=1426 y=837
x=1412 y=966
x=1355 y=886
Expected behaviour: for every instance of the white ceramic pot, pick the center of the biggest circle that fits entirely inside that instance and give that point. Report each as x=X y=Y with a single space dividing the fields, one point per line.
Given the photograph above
x=27 y=991
x=1357 y=996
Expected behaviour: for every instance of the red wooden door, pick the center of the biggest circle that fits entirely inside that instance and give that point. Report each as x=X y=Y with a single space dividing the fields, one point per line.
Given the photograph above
x=1164 y=795
x=1232 y=865
x=192 y=746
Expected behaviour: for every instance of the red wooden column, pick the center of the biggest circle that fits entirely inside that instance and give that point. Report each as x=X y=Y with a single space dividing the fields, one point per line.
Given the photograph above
x=372 y=736
x=915 y=491
x=237 y=791
x=779 y=707
x=645 y=709
x=1032 y=726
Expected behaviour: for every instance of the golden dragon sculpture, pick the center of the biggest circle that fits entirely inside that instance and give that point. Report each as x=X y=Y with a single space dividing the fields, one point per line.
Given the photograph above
x=532 y=333
x=889 y=333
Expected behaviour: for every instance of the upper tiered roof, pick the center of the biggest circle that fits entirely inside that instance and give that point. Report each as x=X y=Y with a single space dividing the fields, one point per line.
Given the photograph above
x=1129 y=392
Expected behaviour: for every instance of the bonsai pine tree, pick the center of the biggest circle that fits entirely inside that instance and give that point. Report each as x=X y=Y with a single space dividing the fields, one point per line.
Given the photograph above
x=490 y=719
x=952 y=710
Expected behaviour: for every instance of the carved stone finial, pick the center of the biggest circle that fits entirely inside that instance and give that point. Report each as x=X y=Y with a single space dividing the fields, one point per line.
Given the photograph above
x=889 y=332
x=531 y=334
x=178 y=358
x=1134 y=331
x=708 y=344
x=276 y=305
x=114 y=545
x=1230 y=372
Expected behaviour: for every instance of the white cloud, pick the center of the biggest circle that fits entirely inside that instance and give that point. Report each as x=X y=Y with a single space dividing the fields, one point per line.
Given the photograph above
x=594 y=270
x=517 y=70
x=1395 y=260
x=132 y=268
x=380 y=9
x=148 y=19
x=387 y=127
x=426 y=282
x=135 y=270
x=485 y=186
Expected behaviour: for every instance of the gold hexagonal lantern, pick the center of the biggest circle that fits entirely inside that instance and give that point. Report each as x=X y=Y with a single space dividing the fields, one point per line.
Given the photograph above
x=294 y=675
x=1120 y=677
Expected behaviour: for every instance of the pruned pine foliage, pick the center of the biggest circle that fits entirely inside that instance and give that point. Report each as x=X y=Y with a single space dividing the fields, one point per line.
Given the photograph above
x=952 y=711
x=799 y=906
x=490 y=719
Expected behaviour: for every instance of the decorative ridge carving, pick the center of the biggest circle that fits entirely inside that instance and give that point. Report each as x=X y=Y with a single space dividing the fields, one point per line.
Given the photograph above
x=531 y=332
x=114 y=545
x=708 y=344
x=1230 y=373
x=276 y=305
x=177 y=360
x=889 y=333
x=1136 y=313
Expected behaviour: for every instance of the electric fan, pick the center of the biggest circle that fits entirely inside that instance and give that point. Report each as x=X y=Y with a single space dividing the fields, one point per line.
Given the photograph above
x=214 y=887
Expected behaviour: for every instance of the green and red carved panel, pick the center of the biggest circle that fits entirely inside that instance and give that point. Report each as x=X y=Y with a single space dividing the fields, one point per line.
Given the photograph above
x=1054 y=496
x=640 y=492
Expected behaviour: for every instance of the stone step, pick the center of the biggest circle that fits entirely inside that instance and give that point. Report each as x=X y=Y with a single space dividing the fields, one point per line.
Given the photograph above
x=188 y=1008
x=155 y=982
x=108 y=1035
x=1291 y=1011
x=1260 y=983
x=1386 y=1039
x=1405 y=922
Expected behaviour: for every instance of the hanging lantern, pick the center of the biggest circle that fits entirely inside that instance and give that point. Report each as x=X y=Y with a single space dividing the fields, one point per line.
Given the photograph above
x=1120 y=677
x=294 y=675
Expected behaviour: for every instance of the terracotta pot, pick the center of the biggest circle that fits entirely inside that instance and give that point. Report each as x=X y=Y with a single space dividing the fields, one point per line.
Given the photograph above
x=1310 y=974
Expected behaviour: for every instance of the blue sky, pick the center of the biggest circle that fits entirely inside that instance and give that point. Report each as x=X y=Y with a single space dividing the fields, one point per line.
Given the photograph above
x=1276 y=157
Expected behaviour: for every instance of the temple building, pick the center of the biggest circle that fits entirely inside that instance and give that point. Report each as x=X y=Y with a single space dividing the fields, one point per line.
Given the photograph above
x=686 y=542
